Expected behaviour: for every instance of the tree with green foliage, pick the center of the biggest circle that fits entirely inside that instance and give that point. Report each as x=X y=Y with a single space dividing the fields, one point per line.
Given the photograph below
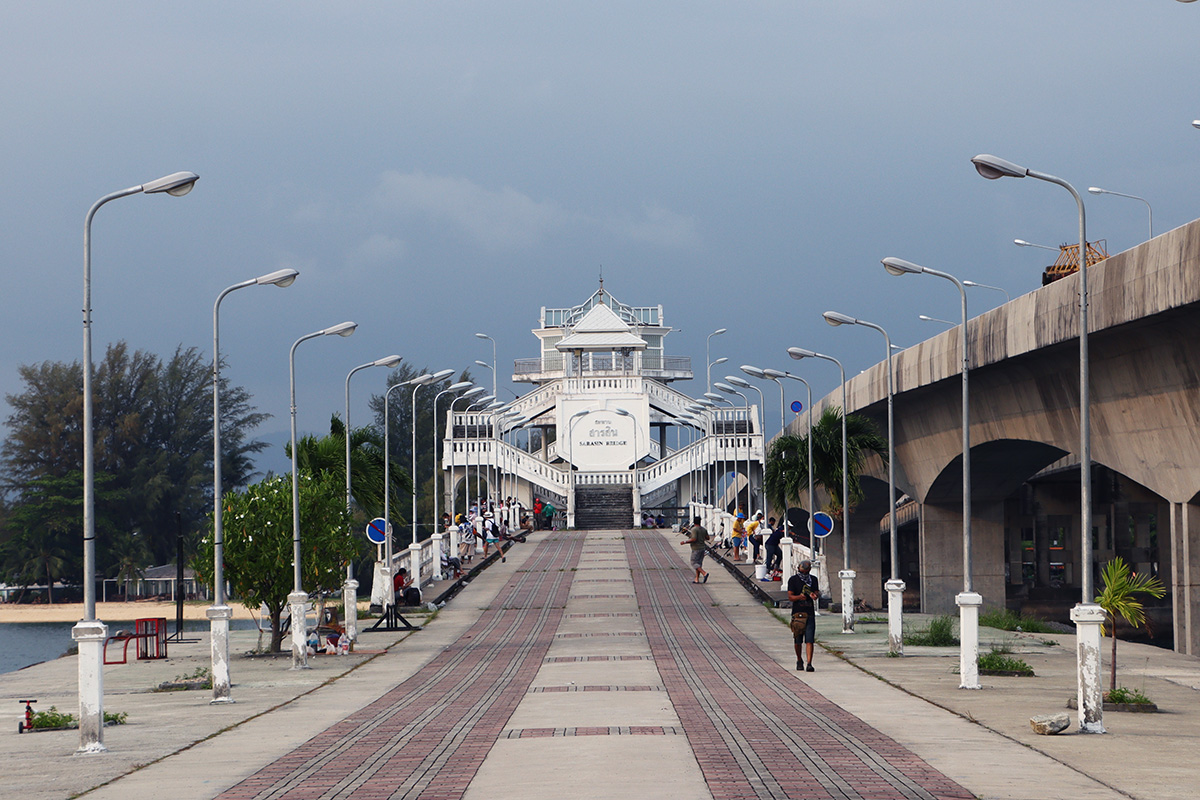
x=786 y=478
x=257 y=524
x=153 y=454
x=1120 y=598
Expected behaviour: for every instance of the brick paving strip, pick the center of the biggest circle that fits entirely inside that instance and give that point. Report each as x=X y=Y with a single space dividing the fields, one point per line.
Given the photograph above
x=427 y=737
x=635 y=730
x=757 y=731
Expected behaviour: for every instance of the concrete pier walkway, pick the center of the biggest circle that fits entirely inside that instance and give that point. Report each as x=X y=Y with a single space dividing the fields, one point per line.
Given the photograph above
x=589 y=666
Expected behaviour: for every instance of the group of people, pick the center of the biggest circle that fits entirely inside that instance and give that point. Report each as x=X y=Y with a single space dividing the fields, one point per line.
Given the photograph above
x=762 y=537
x=488 y=524
x=802 y=588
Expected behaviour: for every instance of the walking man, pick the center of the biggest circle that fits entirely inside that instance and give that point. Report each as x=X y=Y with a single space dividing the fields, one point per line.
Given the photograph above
x=802 y=591
x=698 y=538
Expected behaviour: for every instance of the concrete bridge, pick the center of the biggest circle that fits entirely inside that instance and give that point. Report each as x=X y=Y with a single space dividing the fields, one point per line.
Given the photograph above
x=1145 y=384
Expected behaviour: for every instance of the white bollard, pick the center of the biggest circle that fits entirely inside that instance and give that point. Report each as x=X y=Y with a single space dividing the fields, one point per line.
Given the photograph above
x=297 y=602
x=414 y=564
x=350 y=610
x=968 y=637
x=90 y=636
x=219 y=617
x=847 y=576
x=895 y=590
x=1089 y=622
x=436 y=564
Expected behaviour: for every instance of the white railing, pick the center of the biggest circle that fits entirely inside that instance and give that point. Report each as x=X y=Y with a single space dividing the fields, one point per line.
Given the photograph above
x=624 y=477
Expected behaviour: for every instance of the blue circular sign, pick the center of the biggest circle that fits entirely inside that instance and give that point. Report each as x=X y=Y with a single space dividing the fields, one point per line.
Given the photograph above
x=797 y=406
x=821 y=524
x=377 y=530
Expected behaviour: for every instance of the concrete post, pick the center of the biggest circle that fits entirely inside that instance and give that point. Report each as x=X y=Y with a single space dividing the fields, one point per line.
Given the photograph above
x=297 y=602
x=968 y=637
x=436 y=540
x=90 y=636
x=847 y=576
x=787 y=565
x=414 y=564
x=219 y=617
x=1089 y=620
x=895 y=604
x=350 y=610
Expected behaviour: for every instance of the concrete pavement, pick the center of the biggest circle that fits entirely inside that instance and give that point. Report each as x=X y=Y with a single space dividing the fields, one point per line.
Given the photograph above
x=590 y=667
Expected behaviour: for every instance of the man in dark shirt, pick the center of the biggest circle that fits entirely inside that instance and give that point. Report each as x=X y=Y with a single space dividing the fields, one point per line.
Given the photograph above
x=698 y=539
x=803 y=591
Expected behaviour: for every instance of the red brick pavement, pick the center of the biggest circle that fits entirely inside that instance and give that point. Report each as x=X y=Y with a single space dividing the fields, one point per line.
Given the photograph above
x=756 y=729
x=428 y=736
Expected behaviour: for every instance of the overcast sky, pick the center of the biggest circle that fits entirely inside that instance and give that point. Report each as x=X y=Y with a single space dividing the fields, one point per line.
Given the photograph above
x=437 y=169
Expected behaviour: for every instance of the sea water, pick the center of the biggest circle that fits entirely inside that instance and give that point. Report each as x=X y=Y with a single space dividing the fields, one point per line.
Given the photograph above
x=25 y=643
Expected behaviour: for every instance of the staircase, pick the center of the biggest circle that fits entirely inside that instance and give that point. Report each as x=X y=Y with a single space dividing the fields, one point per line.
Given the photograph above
x=603 y=507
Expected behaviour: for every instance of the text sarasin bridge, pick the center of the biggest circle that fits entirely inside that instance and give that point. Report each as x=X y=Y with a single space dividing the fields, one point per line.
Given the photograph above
x=608 y=437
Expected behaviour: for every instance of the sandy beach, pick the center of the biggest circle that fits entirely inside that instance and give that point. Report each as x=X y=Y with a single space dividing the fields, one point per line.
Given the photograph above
x=70 y=612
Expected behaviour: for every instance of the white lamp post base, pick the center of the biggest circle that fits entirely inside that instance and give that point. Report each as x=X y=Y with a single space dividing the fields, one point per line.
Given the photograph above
x=895 y=592
x=847 y=576
x=1089 y=622
x=350 y=610
x=89 y=635
x=219 y=617
x=297 y=603
x=968 y=637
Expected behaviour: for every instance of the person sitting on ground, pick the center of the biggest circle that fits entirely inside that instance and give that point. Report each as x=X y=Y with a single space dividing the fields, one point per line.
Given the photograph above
x=526 y=524
x=449 y=563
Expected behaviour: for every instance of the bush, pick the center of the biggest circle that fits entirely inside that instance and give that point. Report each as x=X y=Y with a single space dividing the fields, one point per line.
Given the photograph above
x=940 y=633
x=53 y=718
x=998 y=660
x=1007 y=620
x=1123 y=695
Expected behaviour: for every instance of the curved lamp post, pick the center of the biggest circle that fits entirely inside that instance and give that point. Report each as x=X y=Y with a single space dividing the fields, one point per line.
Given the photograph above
x=493 y=341
x=846 y=574
x=1149 y=210
x=775 y=375
x=90 y=633
x=472 y=392
x=220 y=613
x=742 y=383
x=350 y=588
x=297 y=599
x=969 y=601
x=440 y=375
x=708 y=355
x=895 y=586
x=454 y=387
x=1087 y=616
x=727 y=389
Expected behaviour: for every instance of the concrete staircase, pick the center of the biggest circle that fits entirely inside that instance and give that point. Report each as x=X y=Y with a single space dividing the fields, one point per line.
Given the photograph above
x=603 y=507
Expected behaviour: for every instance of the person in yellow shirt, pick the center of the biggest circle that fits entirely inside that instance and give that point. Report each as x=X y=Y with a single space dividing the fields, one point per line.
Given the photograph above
x=755 y=531
x=739 y=536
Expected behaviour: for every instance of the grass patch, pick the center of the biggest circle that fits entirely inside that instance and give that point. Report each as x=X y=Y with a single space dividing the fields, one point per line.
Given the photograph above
x=998 y=660
x=940 y=633
x=1007 y=620
x=1130 y=696
x=873 y=620
x=53 y=718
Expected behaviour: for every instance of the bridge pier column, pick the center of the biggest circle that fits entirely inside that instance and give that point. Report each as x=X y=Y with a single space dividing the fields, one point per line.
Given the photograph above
x=941 y=555
x=865 y=558
x=1184 y=556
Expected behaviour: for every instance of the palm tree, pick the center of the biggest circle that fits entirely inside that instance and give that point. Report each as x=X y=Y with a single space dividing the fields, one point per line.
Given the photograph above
x=1121 y=587
x=787 y=463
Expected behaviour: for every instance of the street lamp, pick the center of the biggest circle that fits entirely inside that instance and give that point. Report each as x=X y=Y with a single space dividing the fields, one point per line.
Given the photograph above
x=1007 y=296
x=708 y=355
x=925 y=318
x=220 y=613
x=712 y=399
x=454 y=387
x=1087 y=616
x=493 y=341
x=895 y=586
x=1023 y=243
x=482 y=404
x=454 y=487
x=775 y=375
x=727 y=389
x=762 y=405
x=846 y=574
x=1149 y=211
x=436 y=377
x=90 y=633
x=712 y=364
x=297 y=599
x=350 y=589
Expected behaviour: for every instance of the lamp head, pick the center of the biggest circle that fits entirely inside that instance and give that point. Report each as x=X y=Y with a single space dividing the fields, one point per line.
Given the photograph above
x=991 y=167
x=441 y=375
x=753 y=372
x=388 y=361
x=774 y=374
x=482 y=336
x=1096 y=190
x=1195 y=122
x=482 y=364
x=713 y=396
x=706 y=403
x=176 y=184
x=341 y=329
x=835 y=319
x=280 y=277
x=420 y=380
x=717 y=331
x=898 y=266
x=621 y=412
x=799 y=353
x=485 y=399
x=720 y=360
x=725 y=387
x=454 y=387
x=473 y=392
x=741 y=383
